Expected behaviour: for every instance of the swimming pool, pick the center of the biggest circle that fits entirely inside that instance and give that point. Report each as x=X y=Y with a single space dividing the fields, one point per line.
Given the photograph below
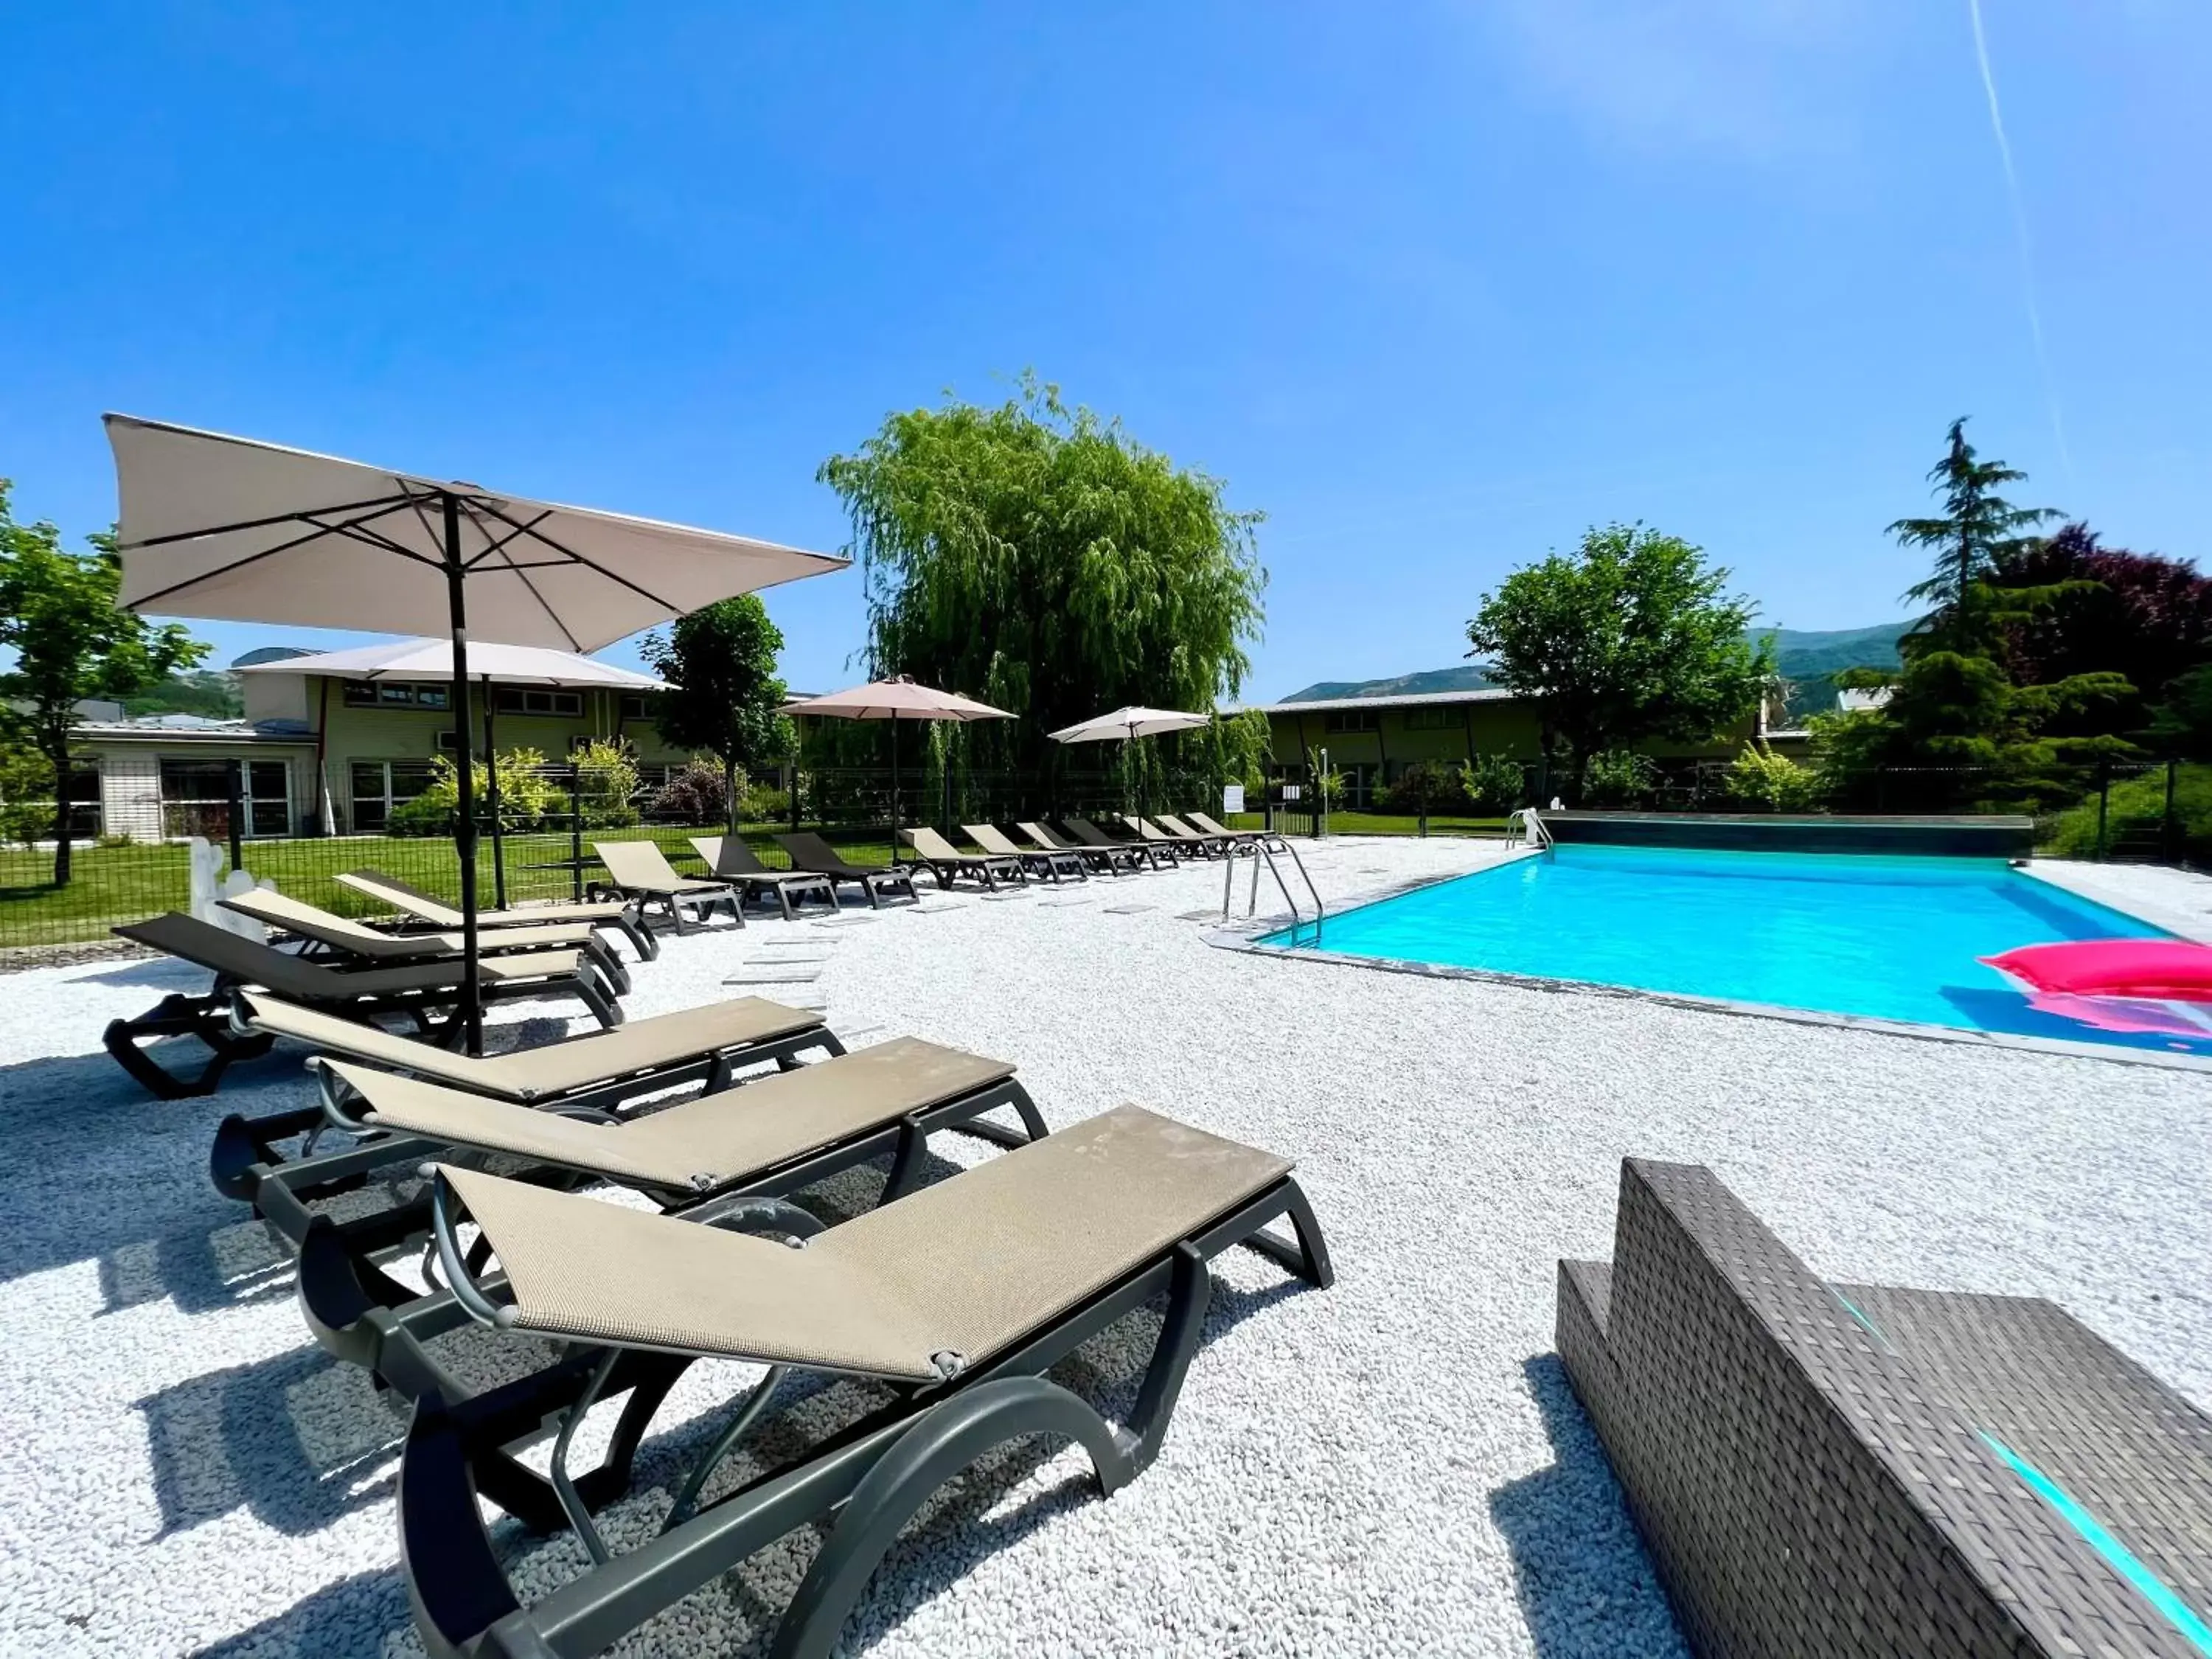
x=1892 y=939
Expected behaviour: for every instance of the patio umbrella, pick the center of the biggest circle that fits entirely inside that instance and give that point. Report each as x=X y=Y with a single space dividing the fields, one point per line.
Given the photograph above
x=1127 y=725
x=213 y=525
x=500 y=664
x=895 y=700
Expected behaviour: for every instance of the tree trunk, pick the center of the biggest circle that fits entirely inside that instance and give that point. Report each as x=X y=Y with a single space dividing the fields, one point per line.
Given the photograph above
x=58 y=756
x=729 y=789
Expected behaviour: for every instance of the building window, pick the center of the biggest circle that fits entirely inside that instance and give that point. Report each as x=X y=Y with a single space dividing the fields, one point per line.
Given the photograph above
x=633 y=706
x=1351 y=719
x=520 y=699
x=196 y=797
x=396 y=694
x=1443 y=719
x=380 y=786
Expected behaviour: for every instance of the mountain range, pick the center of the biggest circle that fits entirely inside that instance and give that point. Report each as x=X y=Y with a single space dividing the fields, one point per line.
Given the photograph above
x=1808 y=659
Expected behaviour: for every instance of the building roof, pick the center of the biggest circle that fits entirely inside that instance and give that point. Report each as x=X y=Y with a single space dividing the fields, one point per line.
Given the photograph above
x=172 y=731
x=1415 y=700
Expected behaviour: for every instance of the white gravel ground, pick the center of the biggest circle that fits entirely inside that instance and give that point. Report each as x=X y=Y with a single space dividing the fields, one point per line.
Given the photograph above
x=1392 y=1467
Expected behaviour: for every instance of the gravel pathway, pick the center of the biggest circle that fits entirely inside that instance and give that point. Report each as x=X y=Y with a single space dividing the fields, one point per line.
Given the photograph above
x=1392 y=1467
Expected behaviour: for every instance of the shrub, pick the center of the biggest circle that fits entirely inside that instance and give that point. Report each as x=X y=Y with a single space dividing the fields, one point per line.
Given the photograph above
x=1427 y=786
x=698 y=794
x=1617 y=777
x=1767 y=782
x=27 y=796
x=527 y=797
x=1494 y=784
x=2137 y=809
x=765 y=802
x=606 y=783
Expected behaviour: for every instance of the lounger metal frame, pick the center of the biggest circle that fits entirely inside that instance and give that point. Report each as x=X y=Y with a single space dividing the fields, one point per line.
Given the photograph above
x=874 y=883
x=875 y=1474
x=207 y=1016
x=360 y=1314
x=245 y=1163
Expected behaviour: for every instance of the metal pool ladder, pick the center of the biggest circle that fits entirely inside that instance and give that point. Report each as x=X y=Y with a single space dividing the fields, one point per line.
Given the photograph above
x=1261 y=855
x=1526 y=825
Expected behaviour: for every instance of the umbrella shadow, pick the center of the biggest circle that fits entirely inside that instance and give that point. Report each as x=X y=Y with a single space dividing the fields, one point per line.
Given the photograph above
x=1568 y=1529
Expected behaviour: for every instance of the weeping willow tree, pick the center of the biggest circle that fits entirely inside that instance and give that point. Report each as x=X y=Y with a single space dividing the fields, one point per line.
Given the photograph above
x=1041 y=559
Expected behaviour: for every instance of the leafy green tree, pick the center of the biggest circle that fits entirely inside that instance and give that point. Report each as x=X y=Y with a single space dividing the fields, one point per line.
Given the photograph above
x=69 y=640
x=1042 y=560
x=1630 y=637
x=721 y=661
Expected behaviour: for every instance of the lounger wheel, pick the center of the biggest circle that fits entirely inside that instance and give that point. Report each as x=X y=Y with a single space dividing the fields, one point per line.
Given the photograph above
x=946 y=1440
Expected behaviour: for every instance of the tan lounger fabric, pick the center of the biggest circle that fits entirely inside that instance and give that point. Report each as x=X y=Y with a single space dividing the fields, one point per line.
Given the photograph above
x=968 y=1267
x=938 y=850
x=987 y=837
x=384 y=890
x=553 y=1068
x=310 y=921
x=641 y=867
x=704 y=1143
x=220 y=950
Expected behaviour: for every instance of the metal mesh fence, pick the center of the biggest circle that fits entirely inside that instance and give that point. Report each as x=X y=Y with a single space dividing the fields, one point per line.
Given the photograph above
x=545 y=825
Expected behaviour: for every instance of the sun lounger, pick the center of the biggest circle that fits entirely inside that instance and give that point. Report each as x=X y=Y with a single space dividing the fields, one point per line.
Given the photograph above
x=640 y=871
x=1154 y=853
x=1113 y=860
x=1859 y=1470
x=1268 y=838
x=808 y=851
x=1157 y=838
x=732 y=861
x=1212 y=846
x=420 y=990
x=344 y=936
x=1050 y=863
x=599 y=1072
x=960 y=1297
x=948 y=863
x=729 y=1159
x=432 y=911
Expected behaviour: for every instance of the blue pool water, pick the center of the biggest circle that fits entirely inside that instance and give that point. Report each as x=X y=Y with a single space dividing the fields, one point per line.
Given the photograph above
x=1887 y=937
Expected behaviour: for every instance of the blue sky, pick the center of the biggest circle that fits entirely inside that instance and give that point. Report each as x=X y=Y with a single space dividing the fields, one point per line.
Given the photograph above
x=1434 y=286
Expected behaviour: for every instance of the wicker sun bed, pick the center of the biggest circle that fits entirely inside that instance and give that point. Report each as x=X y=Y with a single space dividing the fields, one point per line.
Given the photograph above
x=1860 y=1470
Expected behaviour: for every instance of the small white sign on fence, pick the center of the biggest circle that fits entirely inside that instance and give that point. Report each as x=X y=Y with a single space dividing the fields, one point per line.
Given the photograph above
x=1293 y=791
x=1232 y=799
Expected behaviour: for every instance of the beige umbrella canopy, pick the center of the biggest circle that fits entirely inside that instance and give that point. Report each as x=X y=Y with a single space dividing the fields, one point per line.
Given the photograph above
x=1125 y=724
x=433 y=660
x=214 y=526
x=895 y=700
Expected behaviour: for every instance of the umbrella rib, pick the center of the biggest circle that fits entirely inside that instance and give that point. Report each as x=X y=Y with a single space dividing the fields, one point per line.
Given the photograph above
x=510 y=562
x=499 y=546
x=590 y=564
x=385 y=502
x=266 y=552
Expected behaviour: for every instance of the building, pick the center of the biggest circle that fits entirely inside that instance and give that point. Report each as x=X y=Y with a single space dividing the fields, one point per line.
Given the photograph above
x=1372 y=740
x=331 y=742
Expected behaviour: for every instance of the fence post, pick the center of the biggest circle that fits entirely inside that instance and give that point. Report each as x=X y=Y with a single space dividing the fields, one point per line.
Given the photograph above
x=576 y=832
x=2169 y=844
x=2103 y=801
x=233 y=781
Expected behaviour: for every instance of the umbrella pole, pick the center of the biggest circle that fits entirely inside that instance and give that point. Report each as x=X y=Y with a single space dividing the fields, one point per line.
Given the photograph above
x=895 y=783
x=491 y=803
x=470 y=1013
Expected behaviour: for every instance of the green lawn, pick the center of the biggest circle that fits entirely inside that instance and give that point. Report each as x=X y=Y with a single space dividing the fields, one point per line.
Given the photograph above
x=113 y=885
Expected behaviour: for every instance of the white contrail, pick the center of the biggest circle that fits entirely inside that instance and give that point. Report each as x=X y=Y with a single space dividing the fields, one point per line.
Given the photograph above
x=2020 y=229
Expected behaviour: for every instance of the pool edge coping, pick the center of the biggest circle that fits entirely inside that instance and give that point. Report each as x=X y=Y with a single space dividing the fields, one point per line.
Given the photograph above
x=1245 y=938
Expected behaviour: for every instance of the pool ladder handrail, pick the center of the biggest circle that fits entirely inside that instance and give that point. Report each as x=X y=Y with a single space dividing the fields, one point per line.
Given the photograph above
x=1258 y=846
x=1525 y=823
